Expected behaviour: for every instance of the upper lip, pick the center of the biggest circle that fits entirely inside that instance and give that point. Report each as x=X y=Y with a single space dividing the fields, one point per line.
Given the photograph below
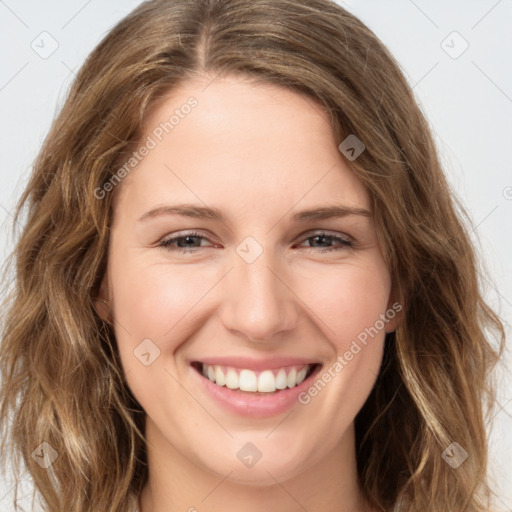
x=250 y=363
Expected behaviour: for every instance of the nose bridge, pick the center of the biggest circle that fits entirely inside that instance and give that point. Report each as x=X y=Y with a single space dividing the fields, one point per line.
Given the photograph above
x=260 y=304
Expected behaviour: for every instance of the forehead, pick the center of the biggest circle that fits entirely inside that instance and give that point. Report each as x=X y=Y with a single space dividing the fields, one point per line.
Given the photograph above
x=233 y=141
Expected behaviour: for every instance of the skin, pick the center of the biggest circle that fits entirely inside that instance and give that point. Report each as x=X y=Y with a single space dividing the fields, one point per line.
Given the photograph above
x=260 y=153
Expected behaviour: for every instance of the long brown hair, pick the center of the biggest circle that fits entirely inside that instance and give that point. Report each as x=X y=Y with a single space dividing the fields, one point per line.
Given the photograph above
x=62 y=382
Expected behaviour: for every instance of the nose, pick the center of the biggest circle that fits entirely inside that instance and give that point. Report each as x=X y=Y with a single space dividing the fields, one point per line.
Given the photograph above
x=258 y=302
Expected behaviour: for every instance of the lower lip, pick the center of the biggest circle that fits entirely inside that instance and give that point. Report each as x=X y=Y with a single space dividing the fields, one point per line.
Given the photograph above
x=252 y=404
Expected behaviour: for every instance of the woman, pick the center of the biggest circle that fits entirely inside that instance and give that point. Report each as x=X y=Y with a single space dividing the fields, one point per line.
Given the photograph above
x=243 y=282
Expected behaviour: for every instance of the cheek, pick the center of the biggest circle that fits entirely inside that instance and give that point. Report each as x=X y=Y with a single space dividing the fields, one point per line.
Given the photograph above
x=348 y=305
x=152 y=301
x=160 y=304
x=156 y=302
x=349 y=300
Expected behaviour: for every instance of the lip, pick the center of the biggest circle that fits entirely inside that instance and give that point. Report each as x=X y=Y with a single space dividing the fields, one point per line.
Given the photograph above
x=248 y=404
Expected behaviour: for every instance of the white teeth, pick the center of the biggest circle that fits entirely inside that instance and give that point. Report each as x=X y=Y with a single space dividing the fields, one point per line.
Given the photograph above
x=281 y=380
x=248 y=381
x=231 y=379
x=219 y=376
x=301 y=375
x=266 y=381
x=292 y=378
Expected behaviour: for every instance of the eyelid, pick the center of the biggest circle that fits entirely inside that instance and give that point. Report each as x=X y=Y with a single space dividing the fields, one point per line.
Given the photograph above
x=326 y=232
x=184 y=234
x=347 y=241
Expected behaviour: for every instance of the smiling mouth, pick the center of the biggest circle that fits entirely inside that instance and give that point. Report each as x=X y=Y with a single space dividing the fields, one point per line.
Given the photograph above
x=264 y=382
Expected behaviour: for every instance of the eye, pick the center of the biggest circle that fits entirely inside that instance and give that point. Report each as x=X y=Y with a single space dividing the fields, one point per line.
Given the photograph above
x=342 y=242
x=191 y=242
x=185 y=243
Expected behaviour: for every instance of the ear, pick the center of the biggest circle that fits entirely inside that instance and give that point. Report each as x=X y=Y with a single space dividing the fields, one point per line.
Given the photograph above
x=394 y=313
x=101 y=302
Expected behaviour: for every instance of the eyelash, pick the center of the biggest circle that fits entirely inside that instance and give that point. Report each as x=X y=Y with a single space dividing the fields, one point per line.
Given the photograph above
x=344 y=243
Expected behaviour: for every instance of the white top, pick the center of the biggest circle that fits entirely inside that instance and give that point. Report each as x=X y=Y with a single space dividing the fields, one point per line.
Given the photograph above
x=134 y=504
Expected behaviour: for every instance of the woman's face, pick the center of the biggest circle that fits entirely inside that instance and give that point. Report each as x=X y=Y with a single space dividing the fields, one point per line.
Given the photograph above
x=260 y=295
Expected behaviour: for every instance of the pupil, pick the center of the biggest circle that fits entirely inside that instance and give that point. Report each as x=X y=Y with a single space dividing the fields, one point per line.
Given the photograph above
x=188 y=238
x=320 y=237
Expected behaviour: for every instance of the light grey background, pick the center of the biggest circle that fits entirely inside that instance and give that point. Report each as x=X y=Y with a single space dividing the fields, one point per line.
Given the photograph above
x=466 y=94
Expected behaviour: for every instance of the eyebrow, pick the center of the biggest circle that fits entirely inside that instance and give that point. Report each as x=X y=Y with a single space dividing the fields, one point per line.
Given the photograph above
x=204 y=212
